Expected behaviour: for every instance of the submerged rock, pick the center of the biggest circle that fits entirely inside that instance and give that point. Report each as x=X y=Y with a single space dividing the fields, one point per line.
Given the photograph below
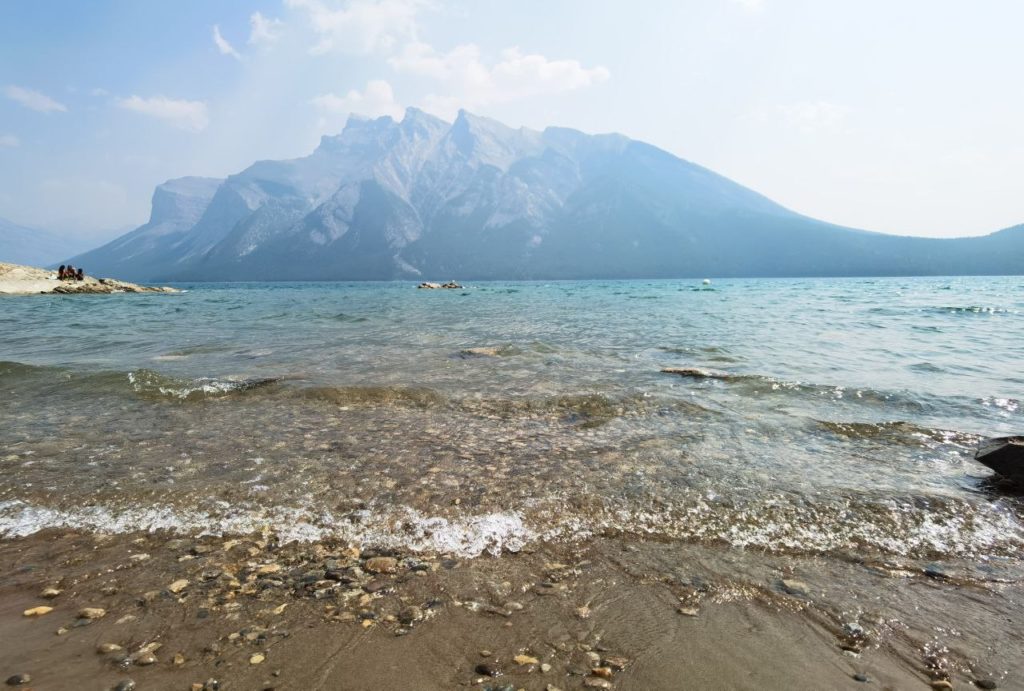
x=1005 y=455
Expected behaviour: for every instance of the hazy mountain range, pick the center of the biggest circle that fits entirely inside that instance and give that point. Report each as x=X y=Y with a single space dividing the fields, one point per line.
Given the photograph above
x=32 y=246
x=474 y=199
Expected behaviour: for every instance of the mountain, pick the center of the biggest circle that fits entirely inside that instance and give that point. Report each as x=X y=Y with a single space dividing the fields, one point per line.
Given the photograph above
x=31 y=246
x=474 y=199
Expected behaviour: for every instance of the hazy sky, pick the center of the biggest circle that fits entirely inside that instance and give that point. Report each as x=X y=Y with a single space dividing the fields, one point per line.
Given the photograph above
x=903 y=117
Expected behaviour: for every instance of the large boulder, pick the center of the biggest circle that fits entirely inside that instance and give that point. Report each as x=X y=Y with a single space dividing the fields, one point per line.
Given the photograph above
x=1005 y=455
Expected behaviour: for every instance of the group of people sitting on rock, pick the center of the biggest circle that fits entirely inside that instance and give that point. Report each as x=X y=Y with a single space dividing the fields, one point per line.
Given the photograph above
x=69 y=273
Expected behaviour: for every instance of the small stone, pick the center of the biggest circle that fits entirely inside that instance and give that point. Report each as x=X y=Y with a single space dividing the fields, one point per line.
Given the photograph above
x=268 y=569
x=794 y=587
x=107 y=648
x=593 y=657
x=410 y=614
x=19 y=679
x=688 y=611
x=941 y=685
x=486 y=653
x=179 y=659
x=545 y=668
x=597 y=683
x=381 y=565
x=603 y=672
x=211 y=685
x=487 y=670
x=615 y=662
x=126 y=685
x=525 y=660
x=583 y=612
x=50 y=593
x=178 y=585
x=37 y=611
x=257 y=658
x=551 y=687
x=92 y=613
x=145 y=659
x=985 y=684
x=860 y=677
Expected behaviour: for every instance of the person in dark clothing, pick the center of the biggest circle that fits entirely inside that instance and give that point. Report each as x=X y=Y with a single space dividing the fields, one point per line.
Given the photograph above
x=80 y=276
x=61 y=273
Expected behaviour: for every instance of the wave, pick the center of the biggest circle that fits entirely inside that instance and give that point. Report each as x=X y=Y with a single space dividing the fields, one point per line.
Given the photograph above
x=149 y=383
x=899 y=432
x=919 y=527
x=972 y=309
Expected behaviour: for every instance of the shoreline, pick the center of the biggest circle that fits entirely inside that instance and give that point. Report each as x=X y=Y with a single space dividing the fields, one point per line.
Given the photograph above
x=608 y=613
x=16 y=279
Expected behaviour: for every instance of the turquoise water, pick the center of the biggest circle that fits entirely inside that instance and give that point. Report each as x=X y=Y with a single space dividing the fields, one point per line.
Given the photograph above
x=829 y=415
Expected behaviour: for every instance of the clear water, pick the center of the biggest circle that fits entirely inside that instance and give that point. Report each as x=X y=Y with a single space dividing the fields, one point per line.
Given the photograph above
x=839 y=415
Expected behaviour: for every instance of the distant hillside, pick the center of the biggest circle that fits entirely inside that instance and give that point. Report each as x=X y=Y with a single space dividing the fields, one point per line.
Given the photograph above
x=474 y=199
x=21 y=245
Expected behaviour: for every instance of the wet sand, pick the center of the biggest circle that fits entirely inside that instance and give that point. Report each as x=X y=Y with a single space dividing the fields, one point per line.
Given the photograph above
x=608 y=613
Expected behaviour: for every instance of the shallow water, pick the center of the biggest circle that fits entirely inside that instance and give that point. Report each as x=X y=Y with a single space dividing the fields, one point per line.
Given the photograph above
x=828 y=416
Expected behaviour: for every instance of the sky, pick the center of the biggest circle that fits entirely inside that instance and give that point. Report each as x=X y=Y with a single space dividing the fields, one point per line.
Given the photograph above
x=899 y=117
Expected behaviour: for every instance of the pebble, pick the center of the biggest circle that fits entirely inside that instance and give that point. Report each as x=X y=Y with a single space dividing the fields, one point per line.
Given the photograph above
x=107 y=648
x=178 y=585
x=268 y=569
x=860 y=677
x=688 y=611
x=410 y=614
x=486 y=653
x=126 y=685
x=597 y=683
x=615 y=662
x=525 y=660
x=179 y=659
x=583 y=612
x=941 y=685
x=37 y=611
x=257 y=659
x=551 y=687
x=92 y=613
x=545 y=668
x=145 y=659
x=381 y=565
x=985 y=684
x=487 y=669
x=19 y=679
x=50 y=593
x=603 y=672
x=794 y=587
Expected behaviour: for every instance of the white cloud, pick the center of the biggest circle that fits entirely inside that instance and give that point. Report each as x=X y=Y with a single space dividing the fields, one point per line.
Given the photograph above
x=9 y=141
x=378 y=98
x=34 y=99
x=186 y=115
x=263 y=30
x=222 y=44
x=361 y=27
x=469 y=82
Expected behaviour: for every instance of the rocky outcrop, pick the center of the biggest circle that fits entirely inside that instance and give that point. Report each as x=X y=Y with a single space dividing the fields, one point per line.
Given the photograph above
x=16 y=279
x=435 y=286
x=1005 y=455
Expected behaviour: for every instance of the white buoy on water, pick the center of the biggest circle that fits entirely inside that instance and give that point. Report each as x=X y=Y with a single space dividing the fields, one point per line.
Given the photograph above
x=707 y=281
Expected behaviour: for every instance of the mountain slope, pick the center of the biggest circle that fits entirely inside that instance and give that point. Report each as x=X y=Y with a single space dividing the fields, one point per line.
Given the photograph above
x=474 y=199
x=31 y=246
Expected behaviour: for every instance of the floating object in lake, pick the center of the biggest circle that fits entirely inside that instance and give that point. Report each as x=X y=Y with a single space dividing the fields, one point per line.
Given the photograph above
x=707 y=281
x=1005 y=455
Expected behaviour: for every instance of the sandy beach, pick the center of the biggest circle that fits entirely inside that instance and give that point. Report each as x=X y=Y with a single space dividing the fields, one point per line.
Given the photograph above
x=172 y=613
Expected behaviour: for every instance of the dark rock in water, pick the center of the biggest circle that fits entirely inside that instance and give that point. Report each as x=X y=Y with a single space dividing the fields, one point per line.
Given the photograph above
x=863 y=678
x=18 y=679
x=126 y=685
x=1005 y=455
x=986 y=684
x=694 y=372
